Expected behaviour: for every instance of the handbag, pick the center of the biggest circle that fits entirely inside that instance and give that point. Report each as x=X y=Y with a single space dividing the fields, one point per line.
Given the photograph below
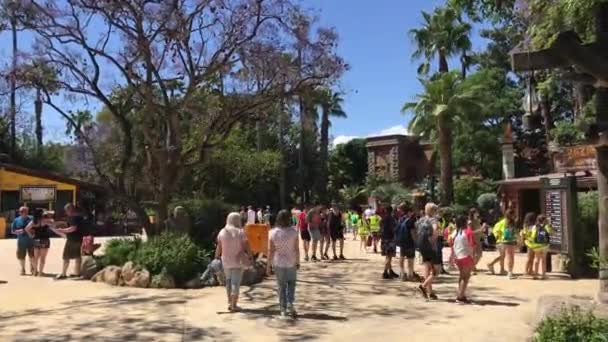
x=245 y=259
x=369 y=241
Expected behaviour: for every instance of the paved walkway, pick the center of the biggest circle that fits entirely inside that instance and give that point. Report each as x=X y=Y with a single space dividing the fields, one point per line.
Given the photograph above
x=337 y=301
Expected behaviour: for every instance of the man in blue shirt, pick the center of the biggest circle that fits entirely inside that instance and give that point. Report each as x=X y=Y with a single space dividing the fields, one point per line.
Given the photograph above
x=25 y=244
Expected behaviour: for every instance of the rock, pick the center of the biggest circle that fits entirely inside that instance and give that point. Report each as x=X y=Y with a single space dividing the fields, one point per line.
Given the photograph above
x=141 y=278
x=128 y=271
x=255 y=274
x=194 y=283
x=89 y=267
x=163 y=281
x=109 y=275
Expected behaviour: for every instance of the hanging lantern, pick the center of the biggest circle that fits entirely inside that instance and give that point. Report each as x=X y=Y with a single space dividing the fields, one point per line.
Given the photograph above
x=531 y=103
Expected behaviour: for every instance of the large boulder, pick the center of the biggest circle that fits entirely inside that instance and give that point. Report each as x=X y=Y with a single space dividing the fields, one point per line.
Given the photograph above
x=141 y=278
x=194 y=283
x=163 y=281
x=89 y=267
x=552 y=305
x=109 y=275
x=128 y=271
x=254 y=274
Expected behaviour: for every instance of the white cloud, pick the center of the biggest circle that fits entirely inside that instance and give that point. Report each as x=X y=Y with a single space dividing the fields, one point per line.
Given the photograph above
x=343 y=139
x=398 y=129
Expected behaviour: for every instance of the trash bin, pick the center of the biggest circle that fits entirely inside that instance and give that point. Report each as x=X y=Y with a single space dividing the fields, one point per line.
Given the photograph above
x=3 y=232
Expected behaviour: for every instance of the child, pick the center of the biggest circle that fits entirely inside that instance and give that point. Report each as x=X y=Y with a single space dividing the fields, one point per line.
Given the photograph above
x=463 y=250
x=539 y=243
x=526 y=232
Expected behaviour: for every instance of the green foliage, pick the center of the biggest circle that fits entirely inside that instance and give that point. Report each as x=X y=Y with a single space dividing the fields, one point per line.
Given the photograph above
x=118 y=251
x=572 y=324
x=487 y=201
x=392 y=193
x=348 y=164
x=468 y=189
x=353 y=195
x=567 y=133
x=587 y=230
x=177 y=253
x=208 y=216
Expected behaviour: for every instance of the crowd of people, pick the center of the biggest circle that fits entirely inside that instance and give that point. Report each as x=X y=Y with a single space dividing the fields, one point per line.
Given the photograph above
x=395 y=230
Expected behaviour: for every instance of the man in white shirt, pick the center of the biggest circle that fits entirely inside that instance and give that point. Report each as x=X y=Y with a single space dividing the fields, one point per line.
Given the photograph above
x=250 y=215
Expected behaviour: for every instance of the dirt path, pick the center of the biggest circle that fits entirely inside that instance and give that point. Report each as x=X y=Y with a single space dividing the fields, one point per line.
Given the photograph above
x=337 y=301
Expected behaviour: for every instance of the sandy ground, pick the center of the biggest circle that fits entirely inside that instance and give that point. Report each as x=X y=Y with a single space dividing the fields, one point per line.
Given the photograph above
x=336 y=301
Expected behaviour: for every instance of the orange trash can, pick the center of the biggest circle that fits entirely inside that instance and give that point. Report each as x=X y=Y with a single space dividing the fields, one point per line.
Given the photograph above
x=257 y=235
x=3 y=228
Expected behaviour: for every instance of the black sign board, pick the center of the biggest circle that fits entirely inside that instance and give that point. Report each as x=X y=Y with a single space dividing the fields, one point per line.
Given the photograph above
x=559 y=197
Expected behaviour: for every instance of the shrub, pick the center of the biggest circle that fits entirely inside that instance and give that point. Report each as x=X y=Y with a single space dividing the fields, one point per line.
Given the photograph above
x=567 y=133
x=572 y=325
x=178 y=253
x=587 y=231
x=467 y=189
x=487 y=201
x=119 y=251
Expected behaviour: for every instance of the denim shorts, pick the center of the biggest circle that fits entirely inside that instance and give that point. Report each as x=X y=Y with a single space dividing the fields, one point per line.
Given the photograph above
x=315 y=234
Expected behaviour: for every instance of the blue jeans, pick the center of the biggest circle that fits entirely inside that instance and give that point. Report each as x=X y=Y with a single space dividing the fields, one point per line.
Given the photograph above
x=233 y=280
x=286 y=279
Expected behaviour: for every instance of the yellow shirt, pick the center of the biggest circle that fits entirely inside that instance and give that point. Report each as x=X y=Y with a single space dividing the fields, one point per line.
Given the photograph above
x=374 y=223
x=531 y=237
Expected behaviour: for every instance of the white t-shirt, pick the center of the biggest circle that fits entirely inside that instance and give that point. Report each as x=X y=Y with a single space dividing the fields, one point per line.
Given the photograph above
x=462 y=247
x=284 y=241
x=250 y=216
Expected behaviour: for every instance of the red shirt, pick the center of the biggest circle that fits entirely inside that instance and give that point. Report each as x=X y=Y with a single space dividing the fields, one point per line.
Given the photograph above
x=302 y=224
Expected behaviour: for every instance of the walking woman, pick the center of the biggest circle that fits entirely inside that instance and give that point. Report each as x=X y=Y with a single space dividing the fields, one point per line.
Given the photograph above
x=38 y=228
x=428 y=230
x=475 y=224
x=234 y=250
x=362 y=229
x=284 y=255
x=464 y=251
x=506 y=239
x=538 y=241
x=529 y=221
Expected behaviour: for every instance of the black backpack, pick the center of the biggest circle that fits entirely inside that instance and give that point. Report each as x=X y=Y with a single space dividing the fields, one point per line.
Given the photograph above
x=542 y=235
x=403 y=232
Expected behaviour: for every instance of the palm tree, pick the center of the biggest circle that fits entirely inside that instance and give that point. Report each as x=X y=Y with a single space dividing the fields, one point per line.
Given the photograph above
x=444 y=102
x=331 y=106
x=443 y=35
x=350 y=194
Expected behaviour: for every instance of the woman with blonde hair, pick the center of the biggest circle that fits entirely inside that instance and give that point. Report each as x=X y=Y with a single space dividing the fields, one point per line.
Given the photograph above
x=428 y=230
x=233 y=248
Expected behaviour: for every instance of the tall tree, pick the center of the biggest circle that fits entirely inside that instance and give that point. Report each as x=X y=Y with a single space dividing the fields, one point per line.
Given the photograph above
x=331 y=106
x=442 y=35
x=158 y=69
x=442 y=104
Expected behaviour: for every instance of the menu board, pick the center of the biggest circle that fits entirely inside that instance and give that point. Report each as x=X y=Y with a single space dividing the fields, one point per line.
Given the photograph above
x=554 y=204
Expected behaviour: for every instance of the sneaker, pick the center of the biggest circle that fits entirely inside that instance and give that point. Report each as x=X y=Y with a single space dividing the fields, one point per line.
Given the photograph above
x=326 y=256
x=403 y=277
x=291 y=311
x=342 y=257
x=314 y=259
x=393 y=274
x=433 y=296
x=61 y=277
x=283 y=315
x=511 y=275
x=491 y=269
x=335 y=257
x=460 y=301
x=385 y=275
x=306 y=258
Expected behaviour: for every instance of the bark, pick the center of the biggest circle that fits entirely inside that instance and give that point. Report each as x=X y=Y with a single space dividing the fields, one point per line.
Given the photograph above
x=282 y=167
x=38 y=114
x=445 y=160
x=323 y=155
x=303 y=150
x=602 y=182
x=13 y=100
x=443 y=63
x=464 y=65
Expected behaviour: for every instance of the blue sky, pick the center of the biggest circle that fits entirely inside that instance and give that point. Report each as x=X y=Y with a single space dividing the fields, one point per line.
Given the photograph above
x=374 y=42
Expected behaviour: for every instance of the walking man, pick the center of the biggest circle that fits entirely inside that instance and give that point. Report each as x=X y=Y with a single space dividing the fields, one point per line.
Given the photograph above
x=73 y=243
x=25 y=243
x=336 y=231
x=302 y=225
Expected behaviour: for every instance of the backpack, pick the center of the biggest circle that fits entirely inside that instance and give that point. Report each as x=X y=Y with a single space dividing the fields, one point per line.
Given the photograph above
x=424 y=228
x=542 y=235
x=403 y=232
x=508 y=234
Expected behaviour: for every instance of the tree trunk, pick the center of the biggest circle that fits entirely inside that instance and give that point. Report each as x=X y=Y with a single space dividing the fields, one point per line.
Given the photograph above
x=323 y=155
x=283 y=164
x=464 y=66
x=38 y=114
x=13 y=85
x=445 y=156
x=443 y=63
x=302 y=151
x=602 y=185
